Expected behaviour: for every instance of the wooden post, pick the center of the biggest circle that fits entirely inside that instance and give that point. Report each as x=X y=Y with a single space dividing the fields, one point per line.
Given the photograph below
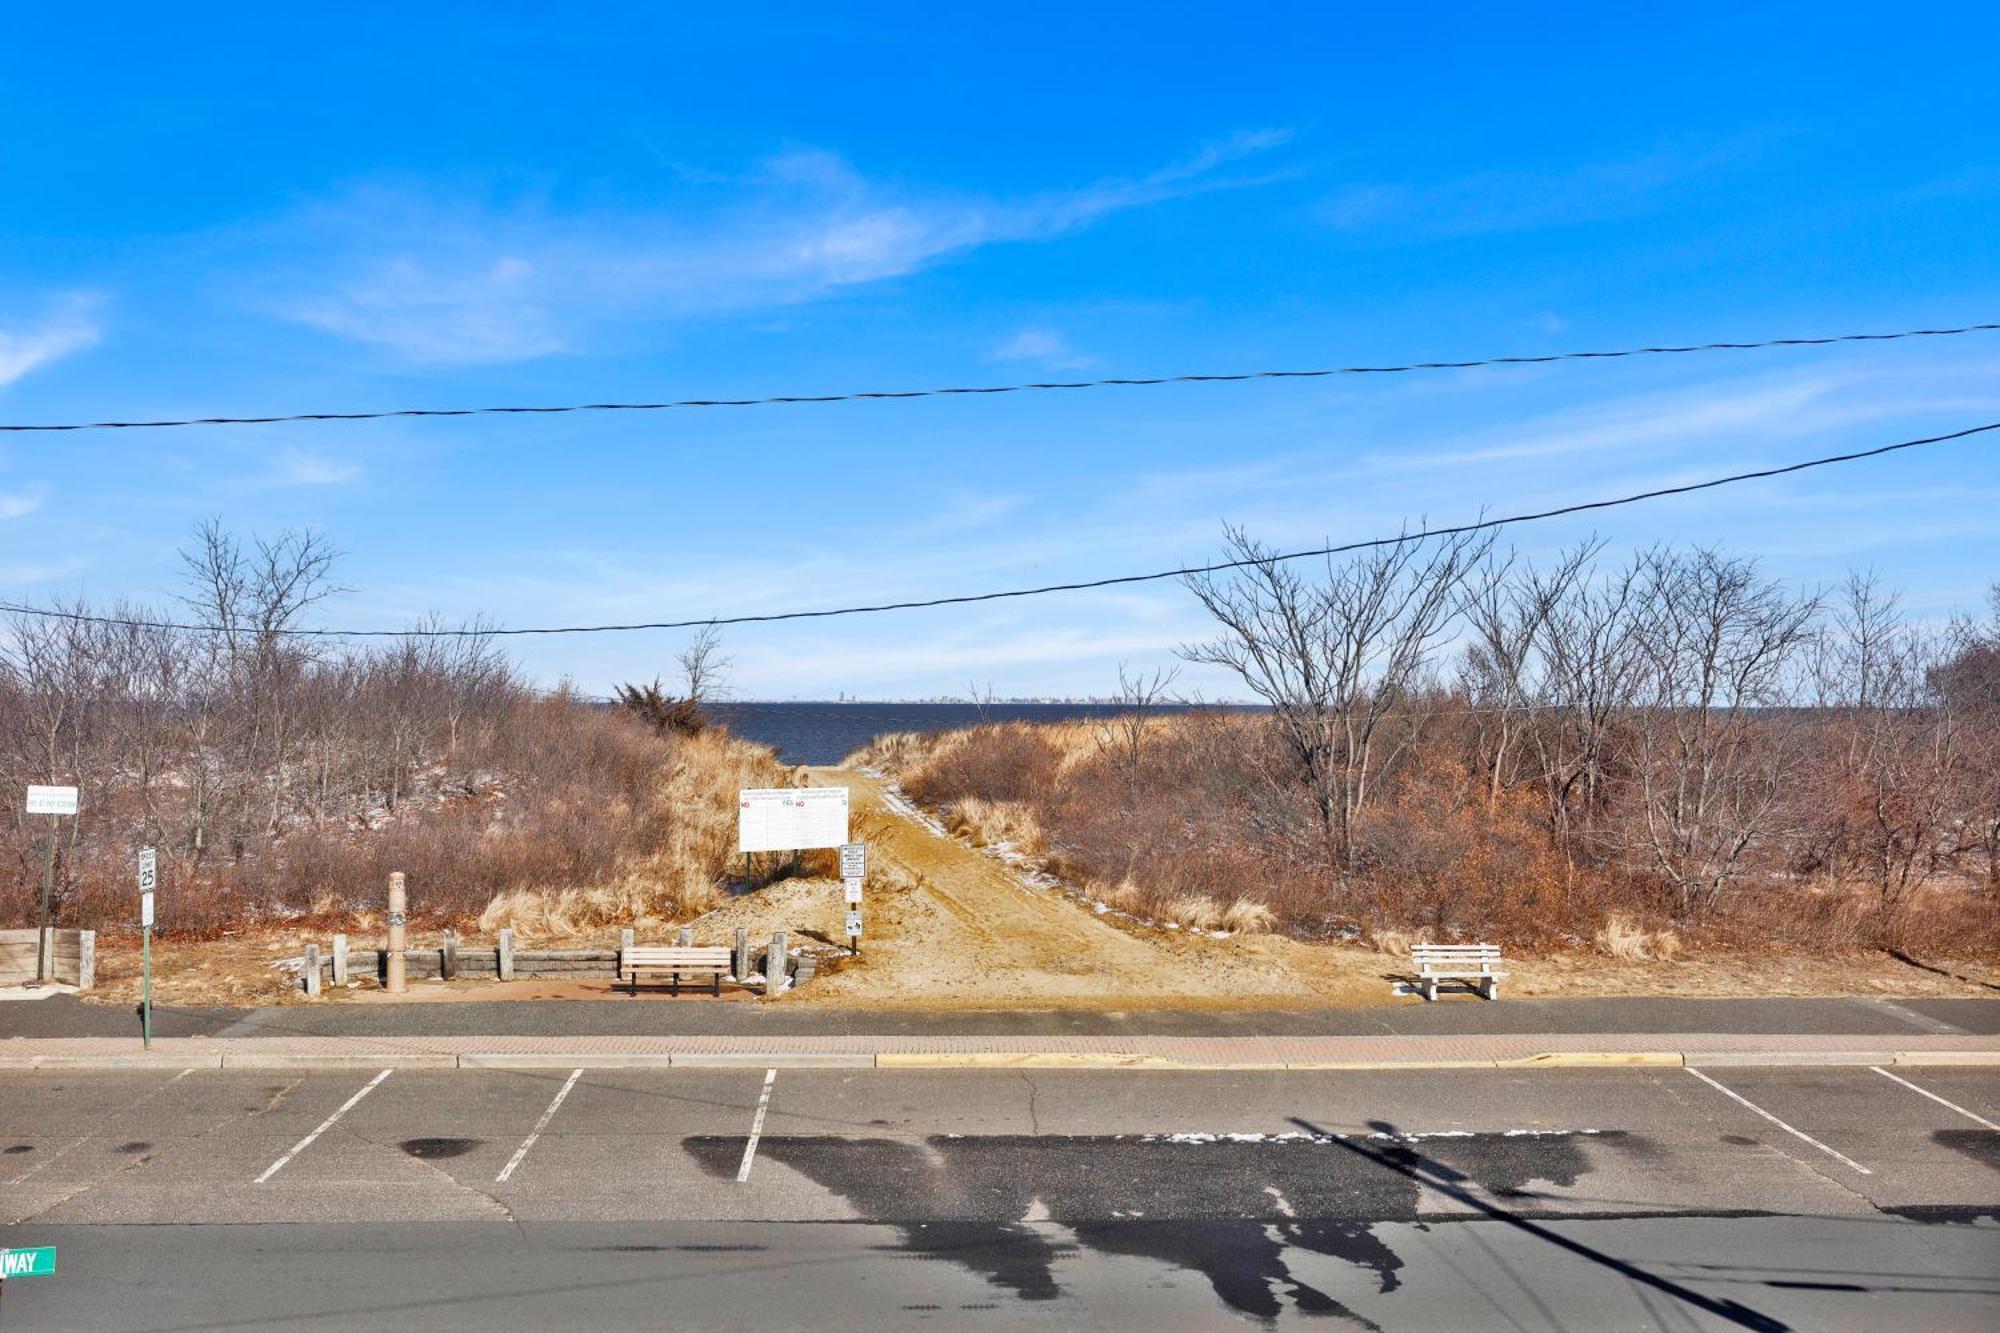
x=774 y=965
x=86 y=959
x=399 y=907
x=742 y=954
x=505 y=970
x=312 y=970
x=448 y=964
x=340 y=960
x=686 y=937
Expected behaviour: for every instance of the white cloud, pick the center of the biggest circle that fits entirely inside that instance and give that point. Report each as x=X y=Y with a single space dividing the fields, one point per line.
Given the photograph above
x=450 y=279
x=67 y=327
x=19 y=504
x=1503 y=201
x=1045 y=346
x=300 y=468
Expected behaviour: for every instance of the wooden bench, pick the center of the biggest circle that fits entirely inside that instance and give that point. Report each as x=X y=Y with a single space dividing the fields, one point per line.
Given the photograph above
x=674 y=960
x=1475 y=965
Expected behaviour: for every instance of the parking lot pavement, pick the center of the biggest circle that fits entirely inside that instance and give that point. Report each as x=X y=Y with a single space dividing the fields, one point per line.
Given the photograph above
x=1030 y=1186
x=220 y=1145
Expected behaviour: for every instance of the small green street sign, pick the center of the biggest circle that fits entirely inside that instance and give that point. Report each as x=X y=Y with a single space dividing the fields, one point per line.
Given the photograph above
x=38 y=1262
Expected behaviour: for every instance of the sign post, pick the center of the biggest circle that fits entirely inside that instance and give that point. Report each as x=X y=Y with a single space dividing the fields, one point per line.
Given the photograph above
x=54 y=802
x=39 y=1261
x=149 y=878
x=853 y=869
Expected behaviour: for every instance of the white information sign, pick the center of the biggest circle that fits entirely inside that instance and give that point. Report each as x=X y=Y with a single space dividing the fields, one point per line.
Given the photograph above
x=854 y=923
x=146 y=908
x=853 y=888
x=854 y=860
x=790 y=819
x=149 y=870
x=58 y=801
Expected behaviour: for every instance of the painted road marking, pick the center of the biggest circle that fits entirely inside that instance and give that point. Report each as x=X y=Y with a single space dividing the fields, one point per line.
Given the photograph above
x=1975 y=1119
x=536 y=1133
x=1796 y=1133
x=756 y=1126
x=86 y=1138
x=324 y=1126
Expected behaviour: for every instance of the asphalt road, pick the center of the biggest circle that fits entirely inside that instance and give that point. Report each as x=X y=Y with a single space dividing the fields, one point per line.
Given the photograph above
x=697 y=1015
x=1661 y=1198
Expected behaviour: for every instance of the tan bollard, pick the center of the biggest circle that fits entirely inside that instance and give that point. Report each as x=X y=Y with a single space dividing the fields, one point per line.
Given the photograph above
x=399 y=906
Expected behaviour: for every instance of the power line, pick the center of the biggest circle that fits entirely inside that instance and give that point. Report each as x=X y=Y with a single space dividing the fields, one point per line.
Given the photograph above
x=970 y=390
x=1047 y=588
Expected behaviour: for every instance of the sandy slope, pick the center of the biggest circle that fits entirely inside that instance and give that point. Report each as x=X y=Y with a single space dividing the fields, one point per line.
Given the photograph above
x=948 y=924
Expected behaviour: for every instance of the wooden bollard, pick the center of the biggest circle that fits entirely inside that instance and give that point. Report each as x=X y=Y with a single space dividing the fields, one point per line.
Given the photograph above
x=86 y=959
x=340 y=960
x=742 y=954
x=312 y=970
x=399 y=907
x=448 y=962
x=505 y=967
x=774 y=965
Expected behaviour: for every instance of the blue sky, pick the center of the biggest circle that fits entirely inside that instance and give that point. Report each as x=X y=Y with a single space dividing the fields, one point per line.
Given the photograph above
x=309 y=207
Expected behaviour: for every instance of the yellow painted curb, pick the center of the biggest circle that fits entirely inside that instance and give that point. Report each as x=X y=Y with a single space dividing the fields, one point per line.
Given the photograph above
x=1592 y=1059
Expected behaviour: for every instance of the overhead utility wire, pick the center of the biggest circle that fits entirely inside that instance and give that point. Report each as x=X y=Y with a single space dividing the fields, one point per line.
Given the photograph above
x=967 y=390
x=1047 y=588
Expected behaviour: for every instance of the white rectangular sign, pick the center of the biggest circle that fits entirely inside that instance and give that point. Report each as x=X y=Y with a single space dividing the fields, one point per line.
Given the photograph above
x=149 y=870
x=854 y=923
x=52 y=800
x=146 y=908
x=853 y=891
x=854 y=860
x=790 y=819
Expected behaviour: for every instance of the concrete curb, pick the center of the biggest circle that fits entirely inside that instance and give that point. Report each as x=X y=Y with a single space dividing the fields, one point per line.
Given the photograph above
x=1799 y=1059
x=919 y=1061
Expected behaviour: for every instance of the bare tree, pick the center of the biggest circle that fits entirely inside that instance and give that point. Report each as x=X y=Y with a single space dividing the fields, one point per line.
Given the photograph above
x=1718 y=640
x=1505 y=671
x=1139 y=696
x=704 y=670
x=1333 y=657
x=1591 y=666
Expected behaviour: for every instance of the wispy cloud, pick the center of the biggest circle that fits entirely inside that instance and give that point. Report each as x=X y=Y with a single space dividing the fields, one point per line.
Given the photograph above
x=1503 y=201
x=446 y=278
x=19 y=504
x=1042 y=346
x=64 y=328
x=300 y=468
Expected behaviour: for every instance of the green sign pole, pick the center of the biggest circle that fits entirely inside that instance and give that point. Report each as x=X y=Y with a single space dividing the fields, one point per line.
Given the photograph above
x=146 y=995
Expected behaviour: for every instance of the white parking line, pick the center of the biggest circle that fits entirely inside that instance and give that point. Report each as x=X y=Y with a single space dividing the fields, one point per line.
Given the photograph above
x=86 y=1138
x=756 y=1126
x=324 y=1126
x=536 y=1133
x=1795 y=1133
x=1975 y=1119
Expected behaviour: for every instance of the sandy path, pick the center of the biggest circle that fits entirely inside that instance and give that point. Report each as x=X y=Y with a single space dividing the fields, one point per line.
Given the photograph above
x=949 y=923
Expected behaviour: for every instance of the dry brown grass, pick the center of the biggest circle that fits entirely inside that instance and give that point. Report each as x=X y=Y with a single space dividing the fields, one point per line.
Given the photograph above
x=1623 y=938
x=695 y=804
x=1245 y=917
x=993 y=823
